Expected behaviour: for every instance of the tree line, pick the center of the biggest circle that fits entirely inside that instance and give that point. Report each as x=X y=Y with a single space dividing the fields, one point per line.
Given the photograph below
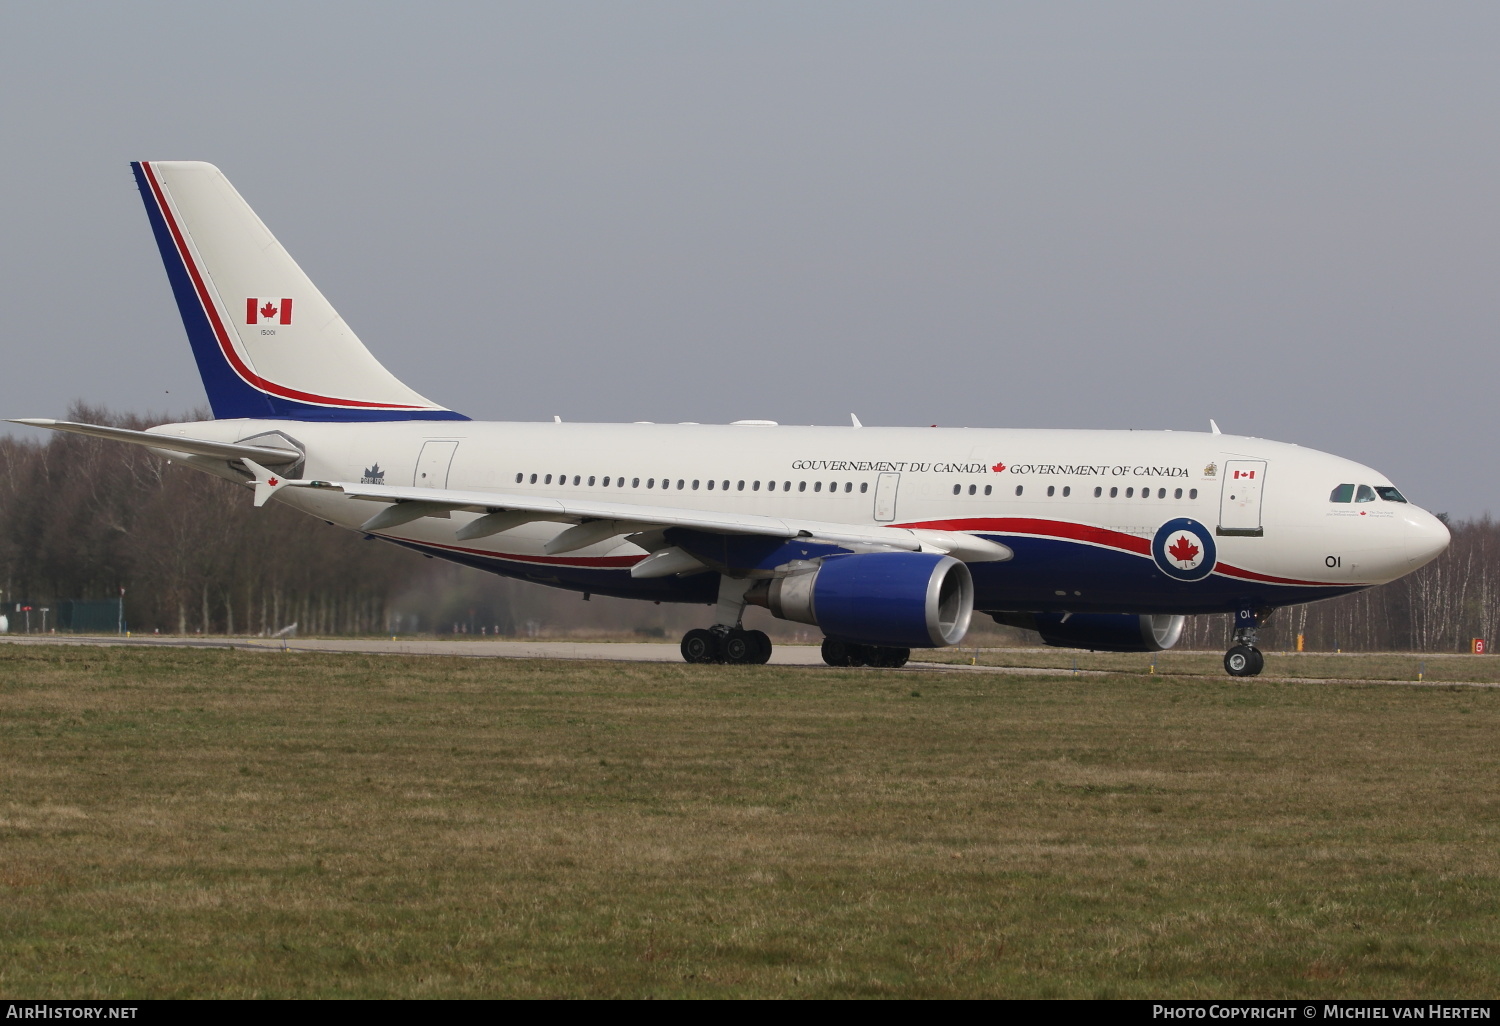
x=81 y=518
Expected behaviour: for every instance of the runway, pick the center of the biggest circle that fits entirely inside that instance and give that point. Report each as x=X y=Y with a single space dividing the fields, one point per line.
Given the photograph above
x=627 y=652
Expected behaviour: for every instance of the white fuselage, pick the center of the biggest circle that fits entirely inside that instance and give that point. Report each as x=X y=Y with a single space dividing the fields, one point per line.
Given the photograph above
x=1078 y=507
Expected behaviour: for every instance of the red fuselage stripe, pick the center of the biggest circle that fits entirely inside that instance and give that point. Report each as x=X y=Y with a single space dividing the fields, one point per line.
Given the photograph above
x=1089 y=535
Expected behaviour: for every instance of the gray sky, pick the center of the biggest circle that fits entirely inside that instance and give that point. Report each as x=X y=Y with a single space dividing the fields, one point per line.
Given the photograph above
x=1280 y=215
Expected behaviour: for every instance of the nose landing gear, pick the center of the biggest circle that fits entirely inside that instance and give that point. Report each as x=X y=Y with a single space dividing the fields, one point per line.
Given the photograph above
x=1244 y=659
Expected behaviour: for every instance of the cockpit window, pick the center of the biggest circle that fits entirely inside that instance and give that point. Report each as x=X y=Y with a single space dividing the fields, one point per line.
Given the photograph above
x=1365 y=494
x=1343 y=493
x=1389 y=494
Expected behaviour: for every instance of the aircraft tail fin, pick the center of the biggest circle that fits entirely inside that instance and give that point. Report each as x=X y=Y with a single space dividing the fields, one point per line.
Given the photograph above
x=268 y=344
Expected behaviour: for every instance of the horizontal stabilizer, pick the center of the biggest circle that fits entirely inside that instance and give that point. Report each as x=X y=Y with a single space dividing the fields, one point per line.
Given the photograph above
x=268 y=455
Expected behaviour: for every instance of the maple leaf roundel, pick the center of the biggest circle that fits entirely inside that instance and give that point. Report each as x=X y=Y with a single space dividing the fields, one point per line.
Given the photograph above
x=1184 y=549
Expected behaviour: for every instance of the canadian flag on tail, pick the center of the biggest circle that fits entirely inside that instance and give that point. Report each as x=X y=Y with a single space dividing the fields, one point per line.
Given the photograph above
x=270 y=311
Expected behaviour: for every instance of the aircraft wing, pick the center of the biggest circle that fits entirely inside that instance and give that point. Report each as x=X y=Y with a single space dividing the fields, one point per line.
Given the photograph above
x=597 y=521
x=265 y=454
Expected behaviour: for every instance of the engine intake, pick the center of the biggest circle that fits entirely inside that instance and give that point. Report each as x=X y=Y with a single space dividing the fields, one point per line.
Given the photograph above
x=1101 y=632
x=895 y=599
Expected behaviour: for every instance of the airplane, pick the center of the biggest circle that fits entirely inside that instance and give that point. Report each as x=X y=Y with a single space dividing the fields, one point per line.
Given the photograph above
x=886 y=539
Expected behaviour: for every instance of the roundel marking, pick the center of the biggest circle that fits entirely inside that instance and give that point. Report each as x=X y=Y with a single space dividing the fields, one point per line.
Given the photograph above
x=1184 y=549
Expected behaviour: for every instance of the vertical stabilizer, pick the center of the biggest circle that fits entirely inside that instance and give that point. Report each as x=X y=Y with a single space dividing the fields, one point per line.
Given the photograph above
x=268 y=344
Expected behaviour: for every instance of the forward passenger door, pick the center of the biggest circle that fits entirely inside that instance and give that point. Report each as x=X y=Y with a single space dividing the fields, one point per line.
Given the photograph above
x=1239 y=502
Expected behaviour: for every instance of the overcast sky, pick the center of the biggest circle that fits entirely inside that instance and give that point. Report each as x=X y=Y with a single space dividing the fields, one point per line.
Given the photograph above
x=1279 y=215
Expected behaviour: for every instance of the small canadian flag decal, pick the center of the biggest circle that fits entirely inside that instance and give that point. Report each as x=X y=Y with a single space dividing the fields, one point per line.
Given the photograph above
x=268 y=311
x=1237 y=474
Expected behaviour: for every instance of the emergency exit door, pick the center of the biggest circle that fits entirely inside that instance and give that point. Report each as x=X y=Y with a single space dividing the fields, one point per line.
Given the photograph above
x=1239 y=502
x=433 y=464
x=885 y=496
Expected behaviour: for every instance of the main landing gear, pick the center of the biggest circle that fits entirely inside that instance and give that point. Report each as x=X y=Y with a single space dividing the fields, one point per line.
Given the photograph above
x=847 y=653
x=726 y=641
x=1244 y=659
x=722 y=644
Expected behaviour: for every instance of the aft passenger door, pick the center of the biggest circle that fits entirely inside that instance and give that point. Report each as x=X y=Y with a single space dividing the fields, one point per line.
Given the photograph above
x=433 y=464
x=885 y=496
x=1239 y=502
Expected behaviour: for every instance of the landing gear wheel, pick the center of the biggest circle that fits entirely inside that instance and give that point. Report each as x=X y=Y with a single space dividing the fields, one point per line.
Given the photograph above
x=700 y=646
x=1244 y=661
x=836 y=653
x=741 y=647
x=762 y=646
x=892 y=658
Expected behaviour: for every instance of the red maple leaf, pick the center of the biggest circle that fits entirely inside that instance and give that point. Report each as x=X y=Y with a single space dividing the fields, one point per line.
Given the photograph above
x=268 y=310
x=272 y=482
x=998 y=468
x=1183 y=550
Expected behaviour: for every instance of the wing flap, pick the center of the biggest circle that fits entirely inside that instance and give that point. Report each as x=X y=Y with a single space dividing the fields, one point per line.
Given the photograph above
x=617 y=518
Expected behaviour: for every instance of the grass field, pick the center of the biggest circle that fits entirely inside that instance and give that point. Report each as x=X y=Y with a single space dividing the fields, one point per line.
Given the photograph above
x=1402 y=666
x=218 y=823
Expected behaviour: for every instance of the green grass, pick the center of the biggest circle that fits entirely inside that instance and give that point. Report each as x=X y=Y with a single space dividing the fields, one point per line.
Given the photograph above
x=1401 y=666
x=214 y=823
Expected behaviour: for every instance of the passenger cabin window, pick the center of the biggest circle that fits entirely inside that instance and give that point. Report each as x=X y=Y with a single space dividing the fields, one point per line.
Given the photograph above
x=1343 y=493
x=1365 y=494
x=1051 y=490
x=956 y=489
x=1129 y=493
x=801 y=486
x=987 y=488
x=1019 y=489
x=1193 y=493
x=864 y=486
x=1389 y=494
x=519 y=477
x=1098 y=492
x=1067 y=491
x=1177 y=494
x=1114 y=492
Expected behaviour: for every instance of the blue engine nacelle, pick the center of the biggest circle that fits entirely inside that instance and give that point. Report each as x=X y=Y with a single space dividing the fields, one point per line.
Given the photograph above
x=1101 y=632
x=895 y=599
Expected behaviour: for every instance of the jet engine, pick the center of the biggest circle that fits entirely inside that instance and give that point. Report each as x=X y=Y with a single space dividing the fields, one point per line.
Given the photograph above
x=1100 y=632
x=892 y=599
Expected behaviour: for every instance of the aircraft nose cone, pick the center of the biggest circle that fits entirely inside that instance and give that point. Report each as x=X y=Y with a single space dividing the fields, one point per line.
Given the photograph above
x=1426 y=538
